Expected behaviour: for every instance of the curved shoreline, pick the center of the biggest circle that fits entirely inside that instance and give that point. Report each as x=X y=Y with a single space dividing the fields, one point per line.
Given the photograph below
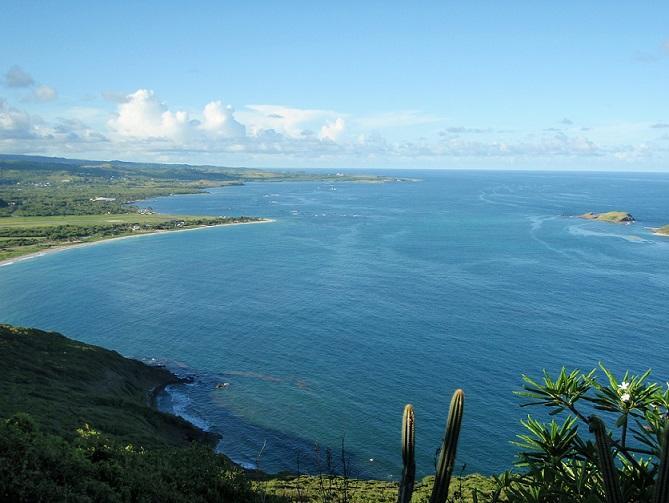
x=60 y=248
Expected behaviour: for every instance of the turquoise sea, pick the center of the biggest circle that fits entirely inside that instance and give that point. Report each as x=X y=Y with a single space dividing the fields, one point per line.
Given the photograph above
x=363 y=297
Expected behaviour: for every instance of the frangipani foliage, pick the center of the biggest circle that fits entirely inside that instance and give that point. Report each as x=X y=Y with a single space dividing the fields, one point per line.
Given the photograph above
x=608 y=441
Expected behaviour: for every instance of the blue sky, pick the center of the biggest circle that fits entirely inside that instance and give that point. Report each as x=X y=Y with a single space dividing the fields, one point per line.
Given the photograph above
x=527 y=85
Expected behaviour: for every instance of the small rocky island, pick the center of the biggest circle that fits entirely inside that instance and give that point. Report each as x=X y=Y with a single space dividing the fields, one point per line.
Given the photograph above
x=661 y=231
x=614 y=217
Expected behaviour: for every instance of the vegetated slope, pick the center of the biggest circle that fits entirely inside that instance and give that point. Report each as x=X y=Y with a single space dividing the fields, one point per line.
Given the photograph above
x=64 y=384
x=35 y=466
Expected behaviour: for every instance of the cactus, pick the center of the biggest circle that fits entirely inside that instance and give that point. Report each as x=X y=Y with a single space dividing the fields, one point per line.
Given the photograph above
x=446 y=462
x=408 y=458
x=449 y=446
x=662 y=482
x=606 y=464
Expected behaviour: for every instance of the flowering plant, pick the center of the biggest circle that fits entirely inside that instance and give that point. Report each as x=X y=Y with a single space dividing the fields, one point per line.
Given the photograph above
x=622 y=455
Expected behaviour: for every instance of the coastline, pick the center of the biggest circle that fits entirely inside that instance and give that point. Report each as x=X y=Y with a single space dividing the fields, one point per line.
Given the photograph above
x=210 y=438
x=29 y=256
x=154 y=392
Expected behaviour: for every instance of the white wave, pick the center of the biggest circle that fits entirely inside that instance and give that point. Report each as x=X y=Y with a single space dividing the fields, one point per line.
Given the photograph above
x=180 y=405
x=487 y=197
x=245 y=464
x=578 y=230
x=536 y=222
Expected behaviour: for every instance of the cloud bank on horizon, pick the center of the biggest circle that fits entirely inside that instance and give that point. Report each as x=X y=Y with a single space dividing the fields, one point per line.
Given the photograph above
x=141 y=126
x=375 y=86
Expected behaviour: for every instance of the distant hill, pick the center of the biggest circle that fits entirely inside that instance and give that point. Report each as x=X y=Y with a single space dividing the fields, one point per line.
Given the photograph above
x=40 y=158
x=166 y=171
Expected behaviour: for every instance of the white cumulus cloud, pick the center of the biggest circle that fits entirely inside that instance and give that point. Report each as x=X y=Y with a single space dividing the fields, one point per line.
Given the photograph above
x=14 y=123
x=333 y=130
x=289 y=121
x=144 y=116
x=219 y=121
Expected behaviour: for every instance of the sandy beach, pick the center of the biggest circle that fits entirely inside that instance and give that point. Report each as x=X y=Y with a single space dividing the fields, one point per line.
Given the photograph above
x=31 y=256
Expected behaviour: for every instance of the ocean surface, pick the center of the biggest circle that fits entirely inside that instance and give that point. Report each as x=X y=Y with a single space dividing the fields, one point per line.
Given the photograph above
x=363 y=297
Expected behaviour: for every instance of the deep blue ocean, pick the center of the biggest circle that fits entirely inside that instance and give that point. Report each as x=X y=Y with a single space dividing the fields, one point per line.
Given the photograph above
x=363 y=297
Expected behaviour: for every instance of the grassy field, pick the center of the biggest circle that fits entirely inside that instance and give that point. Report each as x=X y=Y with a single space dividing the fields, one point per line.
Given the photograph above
x=88 y=220
x=315 y=489
x=24 y=235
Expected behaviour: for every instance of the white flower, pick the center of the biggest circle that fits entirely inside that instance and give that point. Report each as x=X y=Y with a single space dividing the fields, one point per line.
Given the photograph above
x=625 y=397
x=623 y=386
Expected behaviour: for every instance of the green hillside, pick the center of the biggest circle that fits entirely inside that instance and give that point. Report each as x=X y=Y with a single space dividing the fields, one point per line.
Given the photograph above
x=64 y=384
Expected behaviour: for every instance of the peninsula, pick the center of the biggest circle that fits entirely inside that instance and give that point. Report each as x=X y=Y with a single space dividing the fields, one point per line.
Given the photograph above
x=50 y=203
x=614 y=217
x=25 y=237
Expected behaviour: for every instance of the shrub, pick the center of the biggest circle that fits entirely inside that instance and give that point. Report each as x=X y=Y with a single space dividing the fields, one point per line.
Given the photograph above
x=559 y=461
x=93 y=467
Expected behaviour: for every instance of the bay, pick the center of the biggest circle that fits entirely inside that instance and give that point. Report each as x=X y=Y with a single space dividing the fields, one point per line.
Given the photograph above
x=360 y=298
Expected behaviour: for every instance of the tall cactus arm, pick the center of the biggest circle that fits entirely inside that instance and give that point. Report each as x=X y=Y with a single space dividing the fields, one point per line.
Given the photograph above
x=408 y=455
x=449 y=447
